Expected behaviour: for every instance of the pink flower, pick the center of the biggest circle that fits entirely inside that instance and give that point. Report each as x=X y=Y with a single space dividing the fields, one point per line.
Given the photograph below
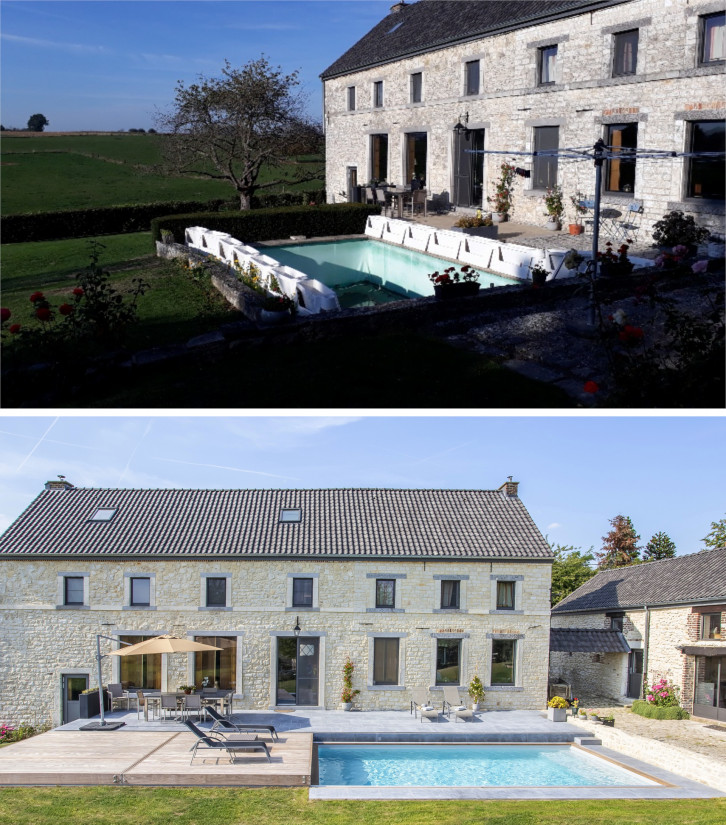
x=680 y=251
x=14 y=329
x=699 y=266
x=4 y=314
x=591 y=387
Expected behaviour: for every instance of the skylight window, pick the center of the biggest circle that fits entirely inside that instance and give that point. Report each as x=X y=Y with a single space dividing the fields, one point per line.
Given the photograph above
x=290 y=514
x=103 y=514
x=397 y=26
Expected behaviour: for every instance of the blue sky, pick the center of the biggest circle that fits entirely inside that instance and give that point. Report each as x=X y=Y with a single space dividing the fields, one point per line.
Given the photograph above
x=109 y=65
x=575 y=473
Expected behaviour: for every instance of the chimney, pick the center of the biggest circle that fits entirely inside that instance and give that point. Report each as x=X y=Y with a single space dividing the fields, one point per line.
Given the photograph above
x=509 y=488
x=397 y=7
x=61 y=484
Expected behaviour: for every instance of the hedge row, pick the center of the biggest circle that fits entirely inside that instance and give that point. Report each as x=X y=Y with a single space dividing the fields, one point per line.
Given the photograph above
x=643 y=708
x=117 y=220
x=272 y=224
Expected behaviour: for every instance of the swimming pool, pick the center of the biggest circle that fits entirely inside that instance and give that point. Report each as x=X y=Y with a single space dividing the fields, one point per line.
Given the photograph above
x=370 y=266
x=444 y=765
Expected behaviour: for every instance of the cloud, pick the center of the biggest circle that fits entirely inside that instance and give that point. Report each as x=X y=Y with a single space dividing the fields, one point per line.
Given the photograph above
x=74 y=48
x=554 y=525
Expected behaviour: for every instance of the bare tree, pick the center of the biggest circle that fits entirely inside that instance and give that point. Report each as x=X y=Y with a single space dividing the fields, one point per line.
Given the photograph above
x=229 y=128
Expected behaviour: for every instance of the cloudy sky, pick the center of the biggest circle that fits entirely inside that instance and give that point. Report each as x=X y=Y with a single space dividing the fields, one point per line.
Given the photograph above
x=110 y=64
x=575 y=473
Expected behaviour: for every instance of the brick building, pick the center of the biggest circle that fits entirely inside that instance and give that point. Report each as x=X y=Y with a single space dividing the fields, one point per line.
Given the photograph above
x=658 y=619
x=418 y=587
x=530 y=76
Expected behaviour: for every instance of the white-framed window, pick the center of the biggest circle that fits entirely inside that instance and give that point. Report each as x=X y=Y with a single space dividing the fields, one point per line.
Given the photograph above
x=712 y=46
x=546 y=65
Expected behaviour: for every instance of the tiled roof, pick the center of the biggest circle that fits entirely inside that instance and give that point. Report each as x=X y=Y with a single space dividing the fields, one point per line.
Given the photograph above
x=434 y=24
x=698 y=577
x=426 y=524
x=565 y=640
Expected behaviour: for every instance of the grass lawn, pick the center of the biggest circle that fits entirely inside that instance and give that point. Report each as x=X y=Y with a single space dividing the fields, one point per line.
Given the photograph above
x=268 y=806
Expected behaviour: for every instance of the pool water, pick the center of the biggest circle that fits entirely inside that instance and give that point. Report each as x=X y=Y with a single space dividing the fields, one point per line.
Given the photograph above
x=469 y=766
x=395 y=271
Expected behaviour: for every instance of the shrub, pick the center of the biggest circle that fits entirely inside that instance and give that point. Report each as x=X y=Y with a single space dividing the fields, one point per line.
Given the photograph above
x=649 y=711
x=272 y=224
x=662 y=694
x=557 y=702
x=676 y=228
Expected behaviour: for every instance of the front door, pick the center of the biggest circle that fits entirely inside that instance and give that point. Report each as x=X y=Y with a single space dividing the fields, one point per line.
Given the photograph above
x=351 y=176
x=469 y=167
x=635 y=674
x=297 y=670
x=72 y=687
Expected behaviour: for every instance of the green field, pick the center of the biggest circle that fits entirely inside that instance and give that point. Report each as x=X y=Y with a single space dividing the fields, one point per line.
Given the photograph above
x=51 y=173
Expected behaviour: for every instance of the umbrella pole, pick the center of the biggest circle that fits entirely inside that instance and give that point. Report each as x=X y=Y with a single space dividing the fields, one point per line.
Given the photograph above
x=100 y=687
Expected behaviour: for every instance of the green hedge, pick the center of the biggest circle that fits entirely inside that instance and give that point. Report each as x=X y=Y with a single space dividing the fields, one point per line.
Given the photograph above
x=272 y=224
x=643 y=708
x=118 y=220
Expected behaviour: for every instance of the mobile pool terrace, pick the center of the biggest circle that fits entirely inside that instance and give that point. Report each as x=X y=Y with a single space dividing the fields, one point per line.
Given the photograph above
x=157 y=753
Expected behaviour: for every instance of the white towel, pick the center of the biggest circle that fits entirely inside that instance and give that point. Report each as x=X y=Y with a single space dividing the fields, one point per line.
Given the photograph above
x=460 y=707
x=427 y=707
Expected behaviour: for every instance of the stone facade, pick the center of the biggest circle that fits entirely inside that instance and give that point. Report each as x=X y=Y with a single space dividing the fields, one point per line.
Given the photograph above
x=668 y=92
x=42 y=639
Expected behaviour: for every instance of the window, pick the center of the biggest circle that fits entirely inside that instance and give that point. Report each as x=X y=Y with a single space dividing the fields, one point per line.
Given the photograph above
x=140 y=592
x=73 y=590
x=379 y=157
x=544 y=166
x=622 y=138
x=706 y=174
x=547 y=60
x=616 y=623
x=302 y=592
x=216 y=592
x=449 y=594
x=385 y=592
x=505 y=595
x=416 y=156
x=625 y=53
x=448 y=658
x=711 y=626
x=713 y=43
x=290 y=514
x=385 y=661
x=140 y=671
x=217 y=665
x=351 y=98
x=103 y=514
x=471 y=78
x=416 y=87
x=503 y=661
x=378 y=94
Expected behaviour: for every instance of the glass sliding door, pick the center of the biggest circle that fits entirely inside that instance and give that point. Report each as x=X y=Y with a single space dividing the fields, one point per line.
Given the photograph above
x=140 y=671
x=298 y=670
x=217 y=666
x=468 y=167
x=710 y=698
x=416 y=150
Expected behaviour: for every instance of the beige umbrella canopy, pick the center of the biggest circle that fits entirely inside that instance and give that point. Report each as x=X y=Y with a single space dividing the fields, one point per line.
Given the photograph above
x=163 y=644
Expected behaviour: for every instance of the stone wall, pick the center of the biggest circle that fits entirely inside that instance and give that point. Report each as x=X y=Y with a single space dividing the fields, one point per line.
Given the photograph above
x=668 y=91
x=42 y=641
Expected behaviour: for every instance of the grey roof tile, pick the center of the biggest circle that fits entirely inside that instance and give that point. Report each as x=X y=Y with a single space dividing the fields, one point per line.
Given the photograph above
x=684 y=579
x=566 y=640
x=342 y=523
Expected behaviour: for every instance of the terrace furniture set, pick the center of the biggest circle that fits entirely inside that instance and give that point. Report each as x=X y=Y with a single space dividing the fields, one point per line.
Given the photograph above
x=452 y=702
x=170 y=704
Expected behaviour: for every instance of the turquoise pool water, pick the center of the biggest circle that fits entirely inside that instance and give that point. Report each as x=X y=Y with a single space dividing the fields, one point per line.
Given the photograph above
x=469 y=766
x=379 y=271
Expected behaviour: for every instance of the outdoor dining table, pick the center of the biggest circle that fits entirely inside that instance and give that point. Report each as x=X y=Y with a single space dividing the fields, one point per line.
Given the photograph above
x=219 y=699
x=399 y=193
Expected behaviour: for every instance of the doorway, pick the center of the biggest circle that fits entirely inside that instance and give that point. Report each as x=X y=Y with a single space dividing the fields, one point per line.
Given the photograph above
x=635 y=674
x=416 y=157
x=710 y=699
x=469 y=167
x=72 y=687
x=298 y=670
x=351 y=181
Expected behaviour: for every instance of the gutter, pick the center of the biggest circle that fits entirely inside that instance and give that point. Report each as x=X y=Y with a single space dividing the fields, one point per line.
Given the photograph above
x=646 y=641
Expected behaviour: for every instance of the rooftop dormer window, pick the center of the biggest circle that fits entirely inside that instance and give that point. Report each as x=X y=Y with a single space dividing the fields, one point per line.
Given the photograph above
x=288 y=514
x=103 y=514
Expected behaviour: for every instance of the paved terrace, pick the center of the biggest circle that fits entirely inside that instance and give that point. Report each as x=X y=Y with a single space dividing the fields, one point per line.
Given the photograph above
x=158 y=753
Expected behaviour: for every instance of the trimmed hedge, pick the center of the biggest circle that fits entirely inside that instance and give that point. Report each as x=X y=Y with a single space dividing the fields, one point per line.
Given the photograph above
x=117 y=220
x=273 y=224
x=643 y=708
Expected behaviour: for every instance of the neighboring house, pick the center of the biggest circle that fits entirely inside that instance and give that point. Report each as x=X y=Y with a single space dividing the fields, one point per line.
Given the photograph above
x=656 y=619
x=535 y=77
x=418 y=587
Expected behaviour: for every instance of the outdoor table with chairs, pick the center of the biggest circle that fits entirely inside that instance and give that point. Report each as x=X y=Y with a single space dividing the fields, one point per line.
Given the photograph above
x=178 y=703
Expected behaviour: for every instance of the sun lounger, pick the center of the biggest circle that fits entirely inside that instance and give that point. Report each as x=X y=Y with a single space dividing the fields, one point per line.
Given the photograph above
x=224 y=724
x=452 y=702
x=215 y=741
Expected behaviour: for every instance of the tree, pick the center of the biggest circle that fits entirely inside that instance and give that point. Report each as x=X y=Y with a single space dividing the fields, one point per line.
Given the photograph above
x=36 y=123
x=229 y=128
x=659 y=547
x=571 y=569
x=620 y=545
x=717 y=536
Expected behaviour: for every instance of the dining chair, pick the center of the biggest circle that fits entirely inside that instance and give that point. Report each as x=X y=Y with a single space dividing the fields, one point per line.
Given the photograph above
x=192 y=702
x=168 y=705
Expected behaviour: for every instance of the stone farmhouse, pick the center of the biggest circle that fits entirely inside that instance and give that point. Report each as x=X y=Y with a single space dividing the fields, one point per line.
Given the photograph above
x=419 y=588
x=435 y=80
x=626 y=628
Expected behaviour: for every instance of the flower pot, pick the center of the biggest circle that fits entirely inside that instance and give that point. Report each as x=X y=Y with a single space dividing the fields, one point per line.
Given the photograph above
x=464 y=289
x=615 y=269
x=475 y=706
x=553 y=225
x=346 y=706
x=539 y=278
x=609 y=723
x=273 y=318
x=557 y=714
x=499 y=217
x=576 y=228
x=478 y=231
x=89 y=705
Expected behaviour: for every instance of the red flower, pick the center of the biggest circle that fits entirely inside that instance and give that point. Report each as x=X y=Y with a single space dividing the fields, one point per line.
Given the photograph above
x=65 y=309
x=630 y=334
x=36 y=296
x=78 y=291
x=591 y=387
x=14 y=328
x=4 y=314
x=42 y=314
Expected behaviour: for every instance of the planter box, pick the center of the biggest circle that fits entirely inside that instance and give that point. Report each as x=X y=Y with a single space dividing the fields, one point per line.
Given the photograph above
x=478 y=231
x=557 y=714
x=89 y=706
x=465 y=289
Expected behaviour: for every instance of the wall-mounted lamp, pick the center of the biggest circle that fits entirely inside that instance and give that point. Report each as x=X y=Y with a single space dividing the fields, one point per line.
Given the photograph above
x=296 y=629
x=462 y=128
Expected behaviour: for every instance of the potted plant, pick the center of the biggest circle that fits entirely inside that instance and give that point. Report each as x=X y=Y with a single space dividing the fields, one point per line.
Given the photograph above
x=348 y=694
x=676 y=228
x=575 y=704
x=453 y=284
x=554 y=206
x=608 y=721
x=539 y=275
x=557 y=709
x=477 y=225
x=577 y=199
x=277 y=308
x=501 y=201
x=476 y=691
x=89 y=704
x=582 y=713
x=187 y=688
x=614 y=263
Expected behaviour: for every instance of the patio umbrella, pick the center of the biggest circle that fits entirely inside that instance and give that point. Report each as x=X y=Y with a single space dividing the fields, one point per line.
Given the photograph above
x=163 y=644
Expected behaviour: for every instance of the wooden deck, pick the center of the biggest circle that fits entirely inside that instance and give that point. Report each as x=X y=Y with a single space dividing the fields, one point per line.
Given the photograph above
x=137 y=758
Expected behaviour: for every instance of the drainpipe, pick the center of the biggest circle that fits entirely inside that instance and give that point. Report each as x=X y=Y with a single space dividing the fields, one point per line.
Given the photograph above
x=645 y=651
